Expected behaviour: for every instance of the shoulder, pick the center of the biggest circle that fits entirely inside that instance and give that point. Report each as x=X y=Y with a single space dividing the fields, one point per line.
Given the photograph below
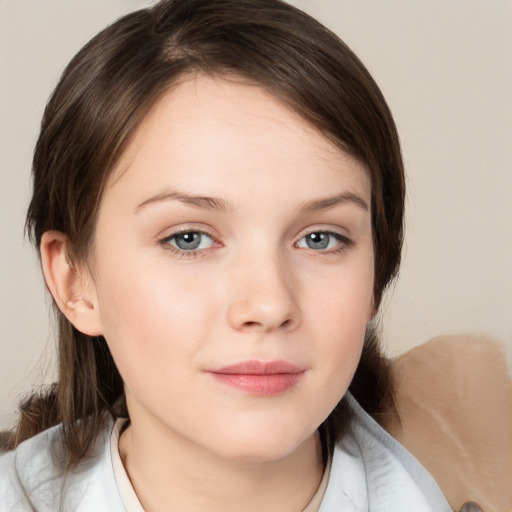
x=34 y=477
x=372 y=471
x=30 y=471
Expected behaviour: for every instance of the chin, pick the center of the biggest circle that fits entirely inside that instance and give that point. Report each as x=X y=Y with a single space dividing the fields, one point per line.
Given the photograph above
x=266 y=444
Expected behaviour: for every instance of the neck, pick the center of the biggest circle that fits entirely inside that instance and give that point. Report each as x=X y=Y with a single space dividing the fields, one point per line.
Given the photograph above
x=170 y=475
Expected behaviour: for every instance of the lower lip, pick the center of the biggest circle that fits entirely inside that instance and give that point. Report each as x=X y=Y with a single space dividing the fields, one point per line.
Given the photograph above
x=260 y=384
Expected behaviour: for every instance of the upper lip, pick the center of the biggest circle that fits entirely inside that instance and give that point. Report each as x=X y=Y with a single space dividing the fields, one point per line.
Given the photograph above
x=258 y=368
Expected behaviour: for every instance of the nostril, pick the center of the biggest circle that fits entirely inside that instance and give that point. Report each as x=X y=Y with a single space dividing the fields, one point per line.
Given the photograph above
x=250 y=324
x=259 y=325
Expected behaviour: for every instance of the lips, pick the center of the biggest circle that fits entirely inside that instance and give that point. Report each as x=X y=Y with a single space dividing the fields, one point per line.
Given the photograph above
x=260 y=378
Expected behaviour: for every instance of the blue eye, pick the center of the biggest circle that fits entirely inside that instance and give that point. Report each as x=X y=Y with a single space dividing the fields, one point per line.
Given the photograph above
x=190 y=241
x=322 y=240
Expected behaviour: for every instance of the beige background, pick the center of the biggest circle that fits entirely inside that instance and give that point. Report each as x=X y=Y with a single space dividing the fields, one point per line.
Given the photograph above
x=445 y=67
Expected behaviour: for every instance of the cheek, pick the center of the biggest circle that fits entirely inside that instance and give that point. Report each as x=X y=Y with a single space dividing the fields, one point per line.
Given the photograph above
x=342 y=299
x=152 y=321
x=341 y=310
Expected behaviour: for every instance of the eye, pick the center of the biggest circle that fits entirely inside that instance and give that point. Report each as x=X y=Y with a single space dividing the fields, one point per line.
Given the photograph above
x=323 y=240
x=190 y=241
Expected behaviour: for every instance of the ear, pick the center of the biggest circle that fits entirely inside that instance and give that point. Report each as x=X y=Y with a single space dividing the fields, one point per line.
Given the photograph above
x=72 y=289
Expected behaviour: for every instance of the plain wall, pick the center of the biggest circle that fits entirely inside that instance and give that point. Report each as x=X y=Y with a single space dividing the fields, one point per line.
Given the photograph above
x=445 y=67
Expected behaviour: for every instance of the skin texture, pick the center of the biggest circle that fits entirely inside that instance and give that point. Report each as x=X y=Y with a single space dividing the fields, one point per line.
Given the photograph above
x=255 y=290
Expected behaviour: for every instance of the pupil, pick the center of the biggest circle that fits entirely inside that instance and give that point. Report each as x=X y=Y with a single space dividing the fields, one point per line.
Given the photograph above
x=188 y=241
x=317 y=240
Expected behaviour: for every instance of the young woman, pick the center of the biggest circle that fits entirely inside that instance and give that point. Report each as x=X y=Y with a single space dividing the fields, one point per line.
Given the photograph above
x=218 y=206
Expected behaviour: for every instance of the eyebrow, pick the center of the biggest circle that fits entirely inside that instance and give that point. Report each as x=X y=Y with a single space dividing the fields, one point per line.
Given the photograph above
x=330 y=202
x=207 y=203
x=218 y=204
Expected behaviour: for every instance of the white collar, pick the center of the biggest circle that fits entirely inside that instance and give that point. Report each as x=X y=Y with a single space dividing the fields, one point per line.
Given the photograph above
x=372 y=472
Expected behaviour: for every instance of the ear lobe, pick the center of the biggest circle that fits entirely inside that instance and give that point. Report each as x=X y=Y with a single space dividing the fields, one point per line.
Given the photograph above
x=71 y=289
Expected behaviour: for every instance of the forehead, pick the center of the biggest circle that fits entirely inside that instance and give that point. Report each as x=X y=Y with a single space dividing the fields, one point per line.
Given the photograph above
x=223 y=130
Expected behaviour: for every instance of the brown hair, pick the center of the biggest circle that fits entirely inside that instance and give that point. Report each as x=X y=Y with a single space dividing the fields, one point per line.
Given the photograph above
x=106 y=91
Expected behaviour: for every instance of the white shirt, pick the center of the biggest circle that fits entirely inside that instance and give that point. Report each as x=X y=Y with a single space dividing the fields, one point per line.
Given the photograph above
x=370 y=472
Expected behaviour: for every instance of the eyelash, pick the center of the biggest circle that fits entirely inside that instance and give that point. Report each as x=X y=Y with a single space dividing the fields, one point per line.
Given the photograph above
x=343 y=243
x=182 y=253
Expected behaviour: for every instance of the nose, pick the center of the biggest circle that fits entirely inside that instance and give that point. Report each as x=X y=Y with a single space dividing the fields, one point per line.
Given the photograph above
x=265 y=297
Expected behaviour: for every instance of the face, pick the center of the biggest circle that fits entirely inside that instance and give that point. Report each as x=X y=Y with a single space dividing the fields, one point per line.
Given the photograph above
x=232 y=271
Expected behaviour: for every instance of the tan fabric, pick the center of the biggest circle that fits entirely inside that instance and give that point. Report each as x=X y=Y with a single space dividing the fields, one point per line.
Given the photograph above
x=124 y=486
x=454 y=405
x=316 y=501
